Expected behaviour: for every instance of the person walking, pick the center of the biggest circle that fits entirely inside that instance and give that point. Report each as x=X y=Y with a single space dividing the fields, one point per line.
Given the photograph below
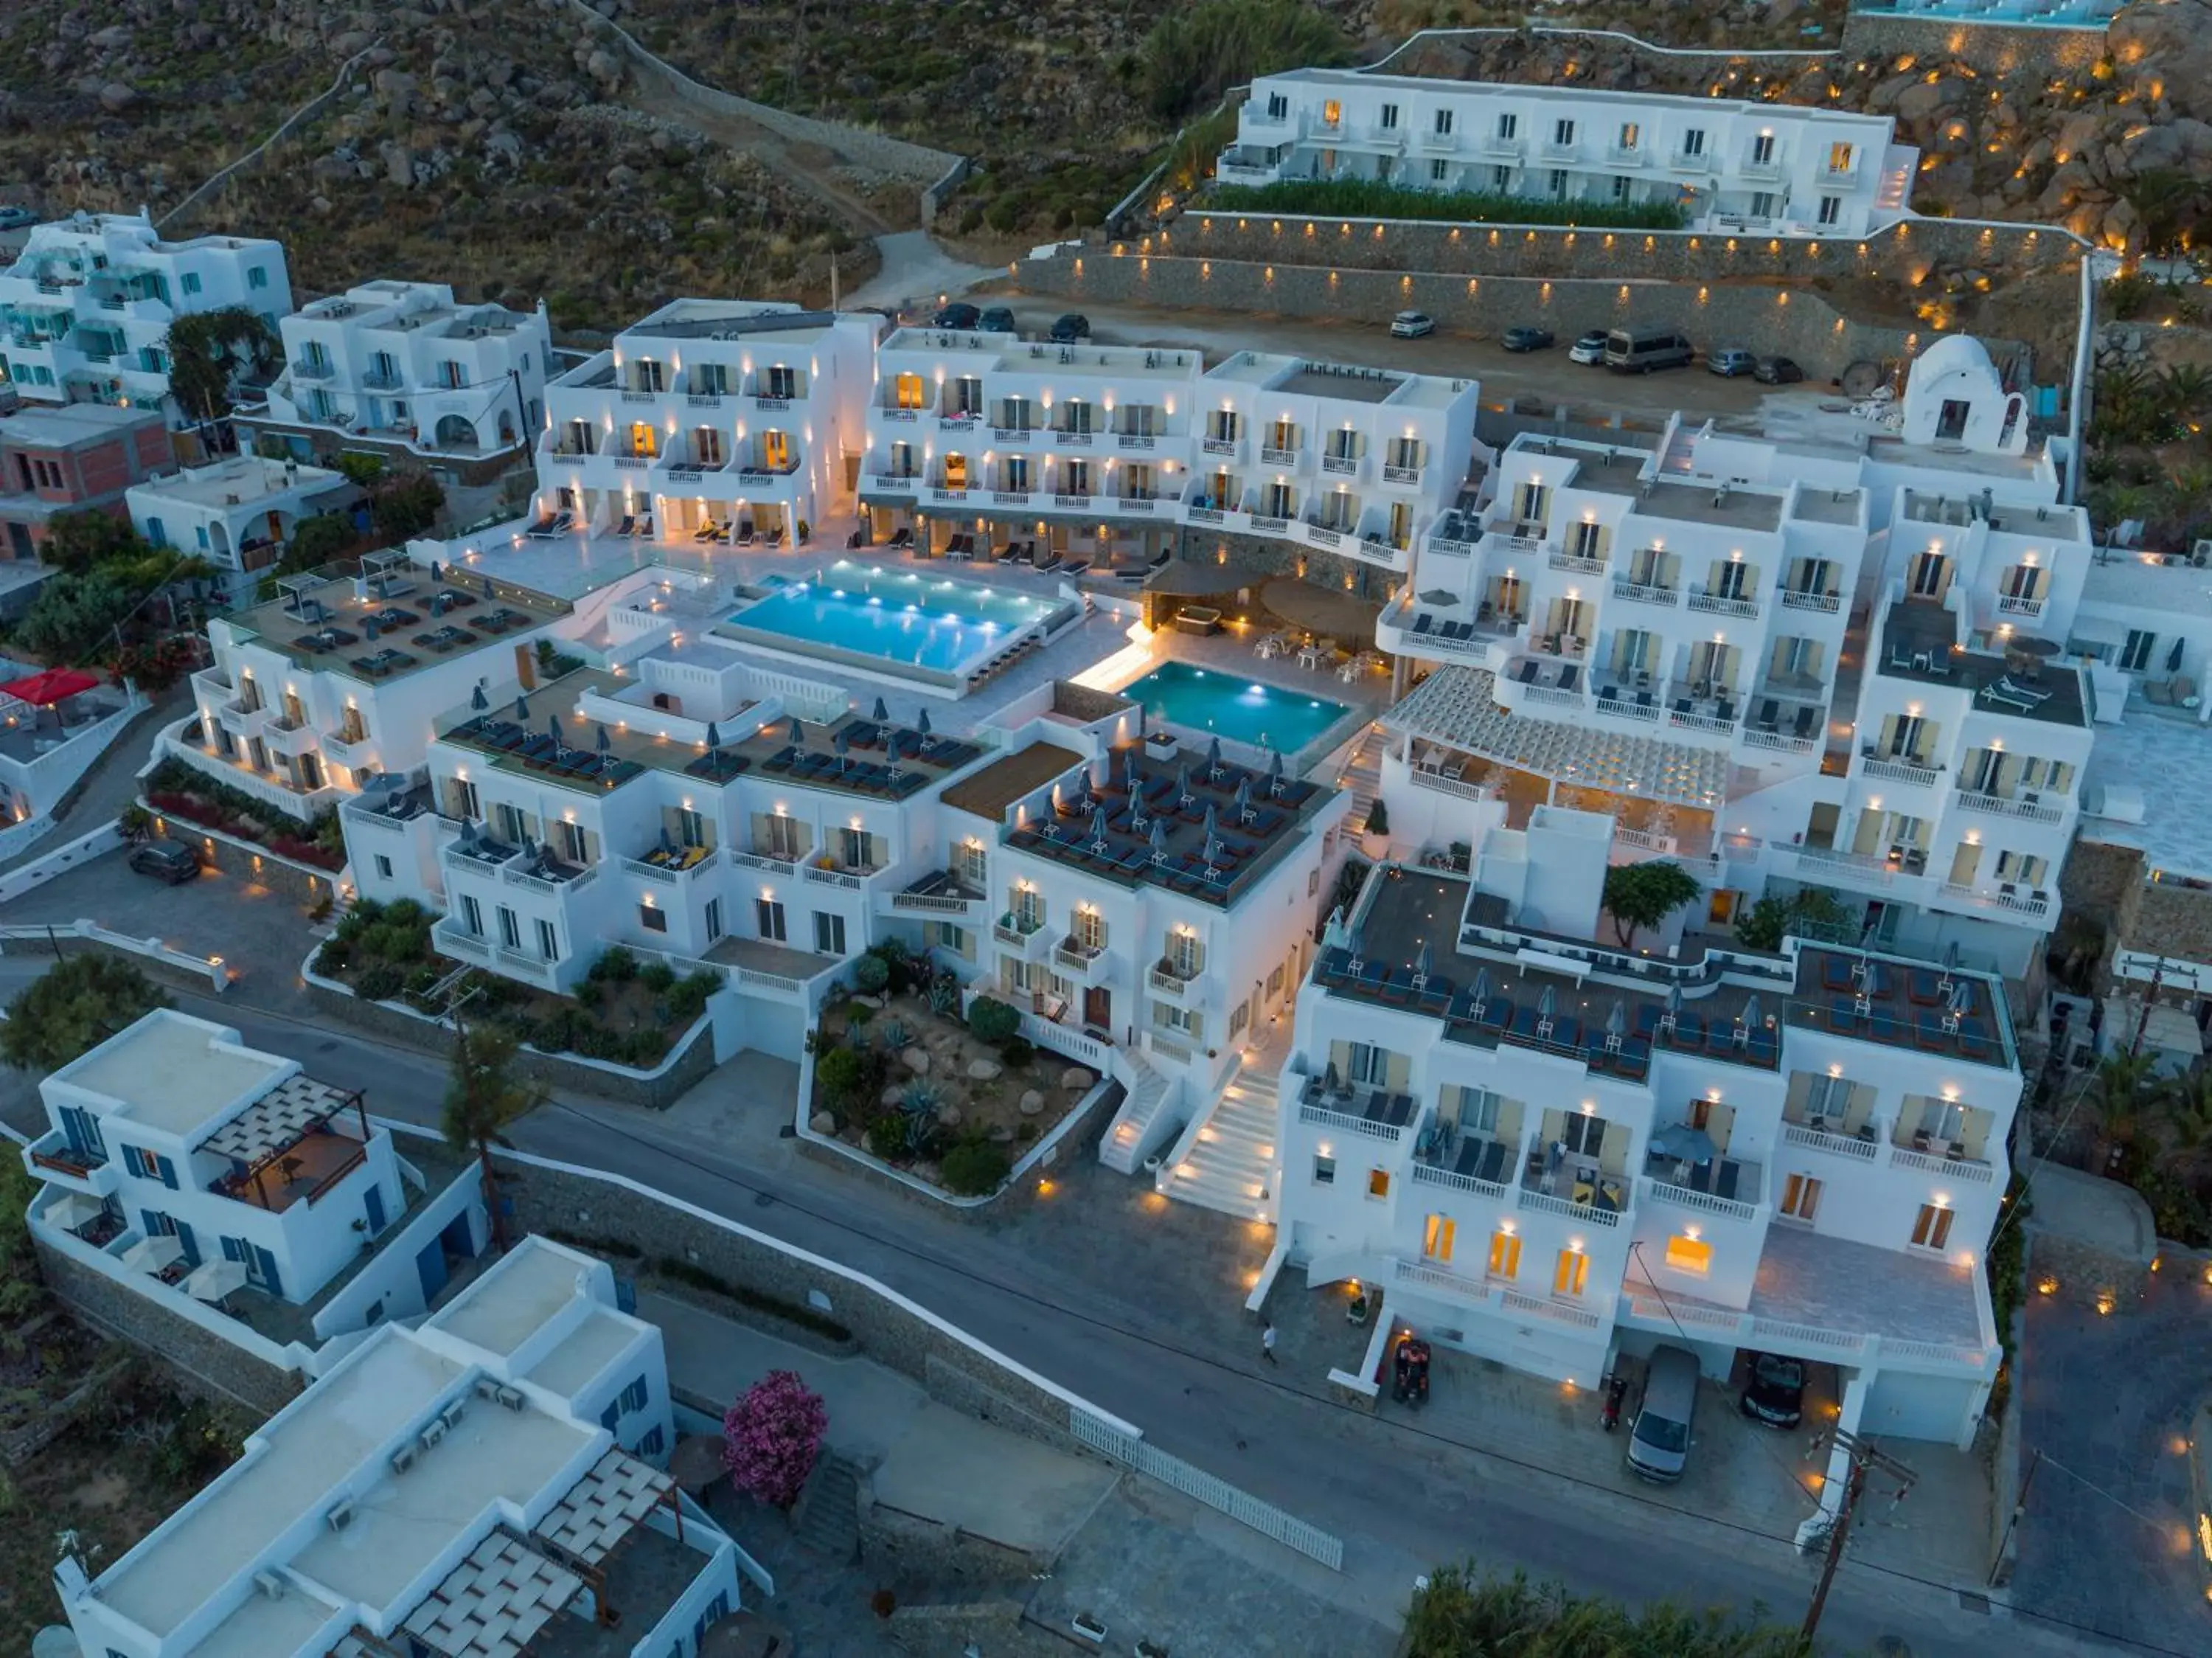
x=1267 y=1344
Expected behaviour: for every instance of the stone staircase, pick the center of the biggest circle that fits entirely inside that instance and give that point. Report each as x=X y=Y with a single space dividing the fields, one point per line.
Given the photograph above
x=1362 y=778
x=1225 y=1160
x=827 y=1516
x=1146 y=1118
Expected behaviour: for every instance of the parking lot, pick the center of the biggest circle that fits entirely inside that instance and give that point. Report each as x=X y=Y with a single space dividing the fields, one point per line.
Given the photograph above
x=1544 y=374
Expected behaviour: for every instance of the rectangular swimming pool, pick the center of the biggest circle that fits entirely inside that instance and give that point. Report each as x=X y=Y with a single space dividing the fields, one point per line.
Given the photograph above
x=1208 y=701
x=896 y=616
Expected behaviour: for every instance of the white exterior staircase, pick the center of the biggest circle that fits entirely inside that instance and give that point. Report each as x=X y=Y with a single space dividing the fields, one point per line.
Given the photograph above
x=1147 y=1116
x=1225 y=1160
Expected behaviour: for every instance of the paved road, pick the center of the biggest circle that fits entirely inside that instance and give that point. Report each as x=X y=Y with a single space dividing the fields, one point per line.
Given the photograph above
x=1402 y=1499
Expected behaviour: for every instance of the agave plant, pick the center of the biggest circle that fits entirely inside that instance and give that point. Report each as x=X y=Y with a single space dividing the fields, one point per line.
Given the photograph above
x=922 y=1098
x=945 y=996
x=893 y=1034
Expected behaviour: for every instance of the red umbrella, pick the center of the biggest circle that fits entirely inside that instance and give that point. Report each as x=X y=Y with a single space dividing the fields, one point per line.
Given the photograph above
x=50 y=686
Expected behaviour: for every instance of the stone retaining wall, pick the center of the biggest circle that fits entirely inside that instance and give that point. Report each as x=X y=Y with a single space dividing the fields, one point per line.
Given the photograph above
x=908 y=1548
x=996 y=1627
x=1780 y=321
x=197 y=1356
x=1990 y=48
x=244 y=863
x=656 y=1092
x=1903 y=252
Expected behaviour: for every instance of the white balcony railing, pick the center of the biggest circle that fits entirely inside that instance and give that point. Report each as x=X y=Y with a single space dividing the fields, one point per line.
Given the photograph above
x=1957 y=1169
x=1705 y=1202
x=1643 y=593
x=1835 y=1145
x=1722 y=603
x=2015 y=806
x=1901 y=771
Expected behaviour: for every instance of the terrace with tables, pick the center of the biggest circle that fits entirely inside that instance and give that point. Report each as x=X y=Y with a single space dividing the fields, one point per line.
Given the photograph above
x=288 y=1147
x=1920 y=643
x=1207 y=831
x=391 y=621
x=1431 y=943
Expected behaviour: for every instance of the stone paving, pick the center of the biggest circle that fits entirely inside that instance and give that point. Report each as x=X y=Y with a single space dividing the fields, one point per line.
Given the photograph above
x=2107 y=1535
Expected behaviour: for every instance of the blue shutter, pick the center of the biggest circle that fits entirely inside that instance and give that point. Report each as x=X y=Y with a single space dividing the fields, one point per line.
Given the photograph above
x=168 y=1172
x=234 y=1249
x=192 y=1244
x=153 y=1228
x=610 y=1416
x=271 y=1282
x=130 y=1162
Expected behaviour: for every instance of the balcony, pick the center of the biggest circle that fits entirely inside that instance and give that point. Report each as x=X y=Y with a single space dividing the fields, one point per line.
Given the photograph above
x=1021 y=932
x=1691 y=161
x=1628 y=155
x=1375 y=1113
x=1839 y=174
x=1813 y=1135
x=939 y=892
x=2032 y=903
x=481 y=857
x=768 y=862
x=1142 y=442
x=902 y=417
x=1017 y=435
x=1504 y=145
x=2029 y=806
x=2012 y=604
x=1799 y=599
x=669 y=868
x=1928 y=1156
x=1644 y=593
x=1895 y=768
x=906 y=482
x=286 y=735
x=1554 y=149
x=1173 y=979
x=1397 y=474
x=1232 y=447
x=1723 y=604
x=56 y=1160
x=1753 y=168
x=1065 y=437
x=827 y=873
x=382 y=380
x=1469 y=1163
x=1719 y=1185
x=1086 y=962
x=1577 y=564
x=948 y=493
x=1271 y=456
x=1344 y=466
x=315 y=369
x=1579 y=1193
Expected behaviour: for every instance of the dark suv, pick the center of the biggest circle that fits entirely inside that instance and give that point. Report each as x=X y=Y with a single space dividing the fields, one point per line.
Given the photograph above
x=1070 y=328
x=166 y=861
x=958 y=314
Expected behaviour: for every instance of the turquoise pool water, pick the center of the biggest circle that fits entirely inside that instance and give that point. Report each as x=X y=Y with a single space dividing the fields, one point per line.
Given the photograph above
x=1225 y=705
x=899 y=616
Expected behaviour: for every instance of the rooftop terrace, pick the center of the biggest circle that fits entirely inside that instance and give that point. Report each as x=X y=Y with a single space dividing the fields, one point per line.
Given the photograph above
x=404 y=624
x=1919 y=643
x=172 y=1073
x=1431 y=943
x=1207 y=831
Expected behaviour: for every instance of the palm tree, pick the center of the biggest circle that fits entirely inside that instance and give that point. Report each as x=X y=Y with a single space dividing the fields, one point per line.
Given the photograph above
x=481 y=1101
x=2116 y=1091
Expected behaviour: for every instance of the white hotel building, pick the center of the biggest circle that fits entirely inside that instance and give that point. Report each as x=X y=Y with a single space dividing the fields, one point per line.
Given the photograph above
x=482 y=1485
x=712 y=420
x=1809 y=662
x=1784 y=168
x=86 y=307
x=1547 y=1152
x=401 y=367
x=1120 y=455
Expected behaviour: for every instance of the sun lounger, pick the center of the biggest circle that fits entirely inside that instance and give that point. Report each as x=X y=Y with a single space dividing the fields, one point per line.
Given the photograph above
x=1526 y=673
x=628 y=527
x=541 y=528
x=1049 y=559
x=1421 y=623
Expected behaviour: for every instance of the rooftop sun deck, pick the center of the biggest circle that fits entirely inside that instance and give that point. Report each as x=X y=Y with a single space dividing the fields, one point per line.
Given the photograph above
x=1918 y=643
x=170 y=1074
x=411 y=624
x=1732 y=1005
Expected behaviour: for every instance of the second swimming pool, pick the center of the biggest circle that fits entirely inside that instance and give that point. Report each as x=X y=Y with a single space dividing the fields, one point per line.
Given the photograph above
x=1225 y=705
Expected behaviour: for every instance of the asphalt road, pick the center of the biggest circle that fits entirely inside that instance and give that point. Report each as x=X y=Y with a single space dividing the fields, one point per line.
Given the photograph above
x=1403 y=1502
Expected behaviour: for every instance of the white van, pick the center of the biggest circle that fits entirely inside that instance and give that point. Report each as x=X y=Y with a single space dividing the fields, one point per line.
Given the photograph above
x=1659 y=1443
x=1639 y=351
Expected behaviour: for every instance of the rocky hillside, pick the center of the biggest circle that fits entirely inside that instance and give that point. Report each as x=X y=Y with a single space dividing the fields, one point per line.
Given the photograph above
x=2120 y=150
x=491 y=143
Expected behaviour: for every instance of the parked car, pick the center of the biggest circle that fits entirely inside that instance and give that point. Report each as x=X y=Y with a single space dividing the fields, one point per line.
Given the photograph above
x=1777 y=371
x=1775 y=1394
x=1526 y=339
x=1589 y=348
x=1412 y=325
x=958 y=314
x=1730 y=360
x=168 y=861
x=1070 y=328
x=1659 y=1443
x=996 y=320
x=1639 y=351
x=13 y=217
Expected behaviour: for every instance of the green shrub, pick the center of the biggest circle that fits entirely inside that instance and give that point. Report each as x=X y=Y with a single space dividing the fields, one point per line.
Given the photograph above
x=616 y=965
x=840 y=1074
x=423 y=980
x=1018 y=1052
x=1195 y=54
x=334 y=955
x=643 y=1048
x=945 y=996
x=657 y=976
x=1378 y=818
x=974 y=1167
x=1369 y=198
x=687 y=997
x=922 y=1098
x=870 y=973
x=992 y=1022
x=379 y=982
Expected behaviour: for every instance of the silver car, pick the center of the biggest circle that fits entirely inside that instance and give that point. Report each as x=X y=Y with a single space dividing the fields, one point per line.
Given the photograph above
x=1412 y=325
x=1731 y=361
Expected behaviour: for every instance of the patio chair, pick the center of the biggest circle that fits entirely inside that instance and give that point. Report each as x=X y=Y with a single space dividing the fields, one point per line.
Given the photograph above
x=1770 y=715
x=746 y=535
x=707 y=531
x=1569 y=677
x=645 y=528
x=541 y=528
x=1644 y=699
x=1049 y=559
x=1421 y=622
x=1803 y=728
x=1525 y=673
x=1725 y=711
x=628 y=527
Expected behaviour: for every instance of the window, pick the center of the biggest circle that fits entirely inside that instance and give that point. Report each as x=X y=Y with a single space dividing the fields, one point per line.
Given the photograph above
x=1621 y=190
x=1501 y=179
x=714 y=919
x=574 y=842
x=1762 y=204
x=652 y=919
x=1331 y=111
x=1324 y=1171
x=382 y=867
x=768 y=916
x=1440 y=171
x=510 y=928
x=1587 y=541
x=1509 y=127
x=191 y=281
x=1436 y=1238
x=1687 y=1254
x=2134 y=656
x=1931 y=1228
x=1632 y=136
x=471 y=915
x=256 y=277
x=635 y=1397
x=856 y=847
x=1571 y=1274
x=1762 y=150
x=1840 y=156
x=2018 y=867
x=150 y=1165
x=1693 y=142
x=548 y=942
x=1389 y=121
x=1558 y=186
x=1562 y=134
x=1584 y=1134
x=1504 y=1255
x=1369 y=1063
x=1278 y=106
x=652 y=1443
x=1801 y=1198
x=1832 y=208
x=1444 y=121
x=828 y=933
x=1090 y=927
x=782 y=381
x=1378 y=1183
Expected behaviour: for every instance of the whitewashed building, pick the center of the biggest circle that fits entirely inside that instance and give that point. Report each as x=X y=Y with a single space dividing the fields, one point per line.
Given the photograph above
x=402 y=368
x=237 y=513
x=711 y=420
x=485 y=1483
x=181 y=1144
x=1548 y=1151
x=85 y=308
x=1787 y=169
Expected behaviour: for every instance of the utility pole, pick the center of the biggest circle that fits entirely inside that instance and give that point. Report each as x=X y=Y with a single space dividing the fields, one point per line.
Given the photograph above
x=1864 y=1453
x=2142 y=1019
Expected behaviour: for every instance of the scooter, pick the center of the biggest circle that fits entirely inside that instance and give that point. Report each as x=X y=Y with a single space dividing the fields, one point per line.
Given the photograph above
x=1616 y=1389
x=1412 y=1372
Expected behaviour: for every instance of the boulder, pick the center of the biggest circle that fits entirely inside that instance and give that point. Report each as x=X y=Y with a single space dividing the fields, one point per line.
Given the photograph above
x=891 y=1095
x=622 y=178
x=604 y=67
x=398 y=164
x=1925 y=100
x=115 y=97
x=1076 y=1078
x=915 y=1060
x=949 y=1116
x=1032 y=1102
x=985 y=1071
x=112 y=39
x=823 y=1123
x=1000 y=1135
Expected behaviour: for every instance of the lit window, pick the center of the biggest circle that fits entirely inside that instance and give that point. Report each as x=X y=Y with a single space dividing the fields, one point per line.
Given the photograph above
x=1436 y=1238
x=1688 y=1254
x=1931 y=1228
x=1378 y=1182
x=1571 y=1273
x=1504 y=1255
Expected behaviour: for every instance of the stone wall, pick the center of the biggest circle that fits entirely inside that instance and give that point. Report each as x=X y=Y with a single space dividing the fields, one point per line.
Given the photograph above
x=996 y=1627
x=1988 y=48
x=656 y=1092
x=2099 y=879
x=888 y=1331
x=1794 y=323
x=246 y=863
x=1906 y=251
x=198 y=1356
x=910 y=1548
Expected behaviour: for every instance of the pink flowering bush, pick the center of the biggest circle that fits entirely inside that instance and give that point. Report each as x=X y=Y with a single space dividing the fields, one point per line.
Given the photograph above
x=771 y=1436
